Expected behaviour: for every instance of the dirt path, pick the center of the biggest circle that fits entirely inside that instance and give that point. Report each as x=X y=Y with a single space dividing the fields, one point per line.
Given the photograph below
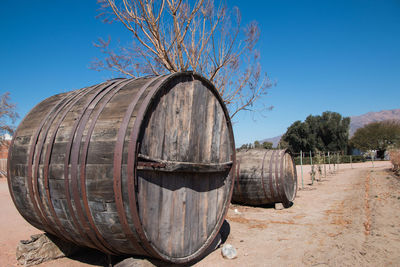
x=350 y=218
x=13 y=227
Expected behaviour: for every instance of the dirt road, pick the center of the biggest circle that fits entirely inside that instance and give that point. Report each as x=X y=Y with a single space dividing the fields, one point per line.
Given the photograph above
x=350 y=218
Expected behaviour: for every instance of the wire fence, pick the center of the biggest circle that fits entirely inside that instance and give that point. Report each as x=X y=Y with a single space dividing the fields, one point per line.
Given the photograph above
x=323 y=163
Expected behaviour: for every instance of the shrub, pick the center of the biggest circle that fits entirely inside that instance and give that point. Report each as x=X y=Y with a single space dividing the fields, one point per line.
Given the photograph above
x=343 y=159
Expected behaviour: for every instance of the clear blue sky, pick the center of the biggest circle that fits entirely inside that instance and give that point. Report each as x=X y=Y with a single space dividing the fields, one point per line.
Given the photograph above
x=341 y=56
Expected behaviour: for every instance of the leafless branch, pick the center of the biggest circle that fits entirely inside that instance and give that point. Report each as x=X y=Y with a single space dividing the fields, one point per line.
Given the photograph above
x=178 y=35
x=8 y=115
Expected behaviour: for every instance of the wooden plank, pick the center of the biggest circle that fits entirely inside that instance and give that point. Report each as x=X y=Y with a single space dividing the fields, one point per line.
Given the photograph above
x=212 y=197
x=185 y=121
x=208 y=129
x=178 y=216
x=167 y=134
x=164 y=235
x=195 y=130
x=153 y=199
x=216 y=140
x=189 y=215
x=201 y=229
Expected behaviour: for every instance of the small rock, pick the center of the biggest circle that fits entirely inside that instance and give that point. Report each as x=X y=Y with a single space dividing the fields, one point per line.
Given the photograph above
x=228 y=251
x=133 y=262
x=279 y=206
x=237 y=212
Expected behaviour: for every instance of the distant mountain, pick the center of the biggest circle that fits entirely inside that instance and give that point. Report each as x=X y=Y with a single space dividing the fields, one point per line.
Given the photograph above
x=274 y=140
x=359 y=121
x=355 y=122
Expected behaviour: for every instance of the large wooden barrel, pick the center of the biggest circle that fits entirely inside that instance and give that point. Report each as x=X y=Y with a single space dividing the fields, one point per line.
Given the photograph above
x=130 y=166
x=265 y=177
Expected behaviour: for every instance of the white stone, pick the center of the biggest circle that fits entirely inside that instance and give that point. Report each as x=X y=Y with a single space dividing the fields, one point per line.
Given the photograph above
x=279 y=206
x=228 y=251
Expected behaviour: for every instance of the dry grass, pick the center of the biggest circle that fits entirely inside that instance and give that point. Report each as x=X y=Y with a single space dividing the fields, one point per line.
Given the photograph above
x=395 y=159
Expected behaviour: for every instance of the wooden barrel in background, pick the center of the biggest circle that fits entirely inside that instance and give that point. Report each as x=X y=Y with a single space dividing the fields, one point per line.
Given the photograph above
x=265 y=177
x=130 y=166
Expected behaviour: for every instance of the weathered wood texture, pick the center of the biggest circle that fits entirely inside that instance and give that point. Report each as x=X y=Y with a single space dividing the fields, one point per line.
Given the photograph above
x=265 y=177
x=131 y=166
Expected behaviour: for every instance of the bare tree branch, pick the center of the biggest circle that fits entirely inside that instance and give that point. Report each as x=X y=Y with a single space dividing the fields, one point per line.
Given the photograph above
x=178 y=35
x=8 y=115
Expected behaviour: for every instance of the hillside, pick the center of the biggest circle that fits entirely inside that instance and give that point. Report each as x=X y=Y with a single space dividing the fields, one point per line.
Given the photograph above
x=359 y=121
x=356 y=122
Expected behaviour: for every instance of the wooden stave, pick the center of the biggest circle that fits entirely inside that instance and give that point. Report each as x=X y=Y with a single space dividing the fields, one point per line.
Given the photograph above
x=140 y=240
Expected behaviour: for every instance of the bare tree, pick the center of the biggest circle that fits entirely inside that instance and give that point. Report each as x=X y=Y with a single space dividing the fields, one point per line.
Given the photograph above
x=8 y=115
x=177 y=35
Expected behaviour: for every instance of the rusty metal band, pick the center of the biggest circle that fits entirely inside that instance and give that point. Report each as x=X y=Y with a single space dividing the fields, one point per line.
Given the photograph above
x=117 y=174
x=83 y=165
x=271 y=165
x=34 y=140
x=283 y=180
x=46 y=162
x=294 y=178
x=85 y=240
x=132 y=162
x=82 y=122
x=9 y=181
x=10 y=150
x=262 y=176
x=48 y=157
x=278 y=177
x=91 y=229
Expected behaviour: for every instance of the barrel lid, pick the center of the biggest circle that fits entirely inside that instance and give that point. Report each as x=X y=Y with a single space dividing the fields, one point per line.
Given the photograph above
x=184 y=167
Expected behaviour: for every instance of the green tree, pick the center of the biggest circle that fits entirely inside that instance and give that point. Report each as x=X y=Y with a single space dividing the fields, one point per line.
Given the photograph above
x=333 y=132
x=328 y=132
x=257 y=144
x=377 y=136
x=297 y=137
x=267 y=145
x=283 y=144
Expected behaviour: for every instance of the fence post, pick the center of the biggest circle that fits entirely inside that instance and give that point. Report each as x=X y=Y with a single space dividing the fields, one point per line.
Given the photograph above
x=312 y=169
x=351 y=162
x=372 y=160
x=334 y=162
x=329 y=161
x=301 y=167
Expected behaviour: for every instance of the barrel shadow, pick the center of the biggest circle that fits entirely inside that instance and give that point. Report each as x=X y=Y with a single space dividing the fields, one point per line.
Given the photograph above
x=214 y=180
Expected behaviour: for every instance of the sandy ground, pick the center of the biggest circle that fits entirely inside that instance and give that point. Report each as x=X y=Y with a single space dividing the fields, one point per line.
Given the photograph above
x=349 y=218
